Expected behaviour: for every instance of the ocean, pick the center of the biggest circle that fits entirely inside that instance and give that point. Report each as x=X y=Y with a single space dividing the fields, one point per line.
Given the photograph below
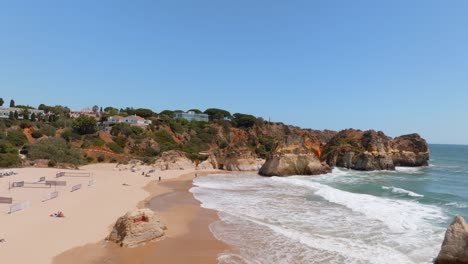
x=342 y=217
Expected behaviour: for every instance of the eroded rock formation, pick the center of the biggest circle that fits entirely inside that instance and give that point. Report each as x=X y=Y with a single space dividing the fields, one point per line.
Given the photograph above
x=455 y=246
x=413 y=151
x=136 y=228
x=242 y=161
x=372 y=150
x=208 y=164
x=294 y=157
x=173 y=160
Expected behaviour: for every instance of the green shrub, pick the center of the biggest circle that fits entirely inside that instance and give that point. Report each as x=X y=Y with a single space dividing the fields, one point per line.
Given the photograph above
x=47 y=130
x=17 y=138
x=267 y=142
x=165 y=141
x=176 y=126
x=115 y=147
x=196 y=157
x=6 y=122
x=150 y=152
x=55 y=149
x=123 y=129
x=84 y=125
x=148 y=160
x=37 y=134
x=51 y=163
x=101 y=158
x=120 y=140
x=85 y=144
x=9 y=160
x=98 y=142
x=195 y=145
x=7 y=147
x=69 y=135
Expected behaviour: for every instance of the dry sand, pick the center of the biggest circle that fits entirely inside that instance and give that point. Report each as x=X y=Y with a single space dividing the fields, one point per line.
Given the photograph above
x=32 y=236
x=187 y=239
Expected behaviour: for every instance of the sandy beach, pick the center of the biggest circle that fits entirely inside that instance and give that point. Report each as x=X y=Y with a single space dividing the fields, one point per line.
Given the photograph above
x=33 y=236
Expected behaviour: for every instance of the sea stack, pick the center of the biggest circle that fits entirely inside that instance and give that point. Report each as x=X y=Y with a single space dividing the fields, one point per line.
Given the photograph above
x=455 y=246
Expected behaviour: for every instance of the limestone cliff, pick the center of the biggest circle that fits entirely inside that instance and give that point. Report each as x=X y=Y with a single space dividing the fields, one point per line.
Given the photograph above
x=173 y=160
x=295 y=156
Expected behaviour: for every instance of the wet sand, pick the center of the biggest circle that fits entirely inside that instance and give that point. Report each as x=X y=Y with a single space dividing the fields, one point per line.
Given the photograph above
x=187 y=240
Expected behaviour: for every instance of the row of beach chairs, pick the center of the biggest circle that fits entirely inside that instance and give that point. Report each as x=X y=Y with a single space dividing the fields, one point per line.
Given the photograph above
x=7 y=173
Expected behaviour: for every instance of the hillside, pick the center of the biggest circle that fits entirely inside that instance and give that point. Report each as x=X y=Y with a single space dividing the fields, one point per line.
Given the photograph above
x=65 y=141
x=224 y=141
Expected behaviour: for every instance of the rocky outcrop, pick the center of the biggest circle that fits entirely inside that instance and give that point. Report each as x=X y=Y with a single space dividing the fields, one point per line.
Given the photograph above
x=293 y=157
x=173 y=160
x=208 y=164
x=241 y=161
x=136 y=228
x=412 y=151
x=455 y=246
x=134 y=166
x=372 y=150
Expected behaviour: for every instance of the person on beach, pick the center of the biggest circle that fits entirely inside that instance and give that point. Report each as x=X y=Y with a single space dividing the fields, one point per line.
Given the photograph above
x=58 y=214
x=159 y=178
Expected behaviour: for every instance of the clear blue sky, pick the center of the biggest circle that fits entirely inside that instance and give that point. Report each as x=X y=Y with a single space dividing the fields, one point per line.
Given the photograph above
x=395 y=66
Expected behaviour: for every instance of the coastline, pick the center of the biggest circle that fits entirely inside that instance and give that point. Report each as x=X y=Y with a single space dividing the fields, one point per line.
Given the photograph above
x=188 y=238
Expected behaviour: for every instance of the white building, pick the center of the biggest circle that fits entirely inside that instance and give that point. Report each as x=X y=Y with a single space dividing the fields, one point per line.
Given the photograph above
x=5 y=112
x=192 y=116
x=133 y=120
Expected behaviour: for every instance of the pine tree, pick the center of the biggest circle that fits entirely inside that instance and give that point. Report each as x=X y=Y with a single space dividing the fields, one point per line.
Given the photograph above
x=1 y=101
x=11 y=116
x=25 y=114
x=33 y=117
x=12 y=103
x=16 y=113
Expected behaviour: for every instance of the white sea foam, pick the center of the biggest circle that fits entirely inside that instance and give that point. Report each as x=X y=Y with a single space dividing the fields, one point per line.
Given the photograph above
x=297 y=220
x=402 y=191
x=409 y=170
x=398 y=215
x=457 y=205
x=354 y=250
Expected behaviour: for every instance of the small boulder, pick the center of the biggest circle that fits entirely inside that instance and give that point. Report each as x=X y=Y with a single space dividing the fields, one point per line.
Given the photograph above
x=136 y=228
x=455 y=246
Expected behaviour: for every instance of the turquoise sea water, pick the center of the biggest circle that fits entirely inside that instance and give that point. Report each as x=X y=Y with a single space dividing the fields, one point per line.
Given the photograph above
x=342 y=217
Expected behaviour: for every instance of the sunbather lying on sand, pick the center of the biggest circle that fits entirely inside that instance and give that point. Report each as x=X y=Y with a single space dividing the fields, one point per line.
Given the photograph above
x=58 y=214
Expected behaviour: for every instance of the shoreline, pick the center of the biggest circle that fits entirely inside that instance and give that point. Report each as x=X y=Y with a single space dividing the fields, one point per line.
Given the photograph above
x=188 y=238
x=33 y=236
